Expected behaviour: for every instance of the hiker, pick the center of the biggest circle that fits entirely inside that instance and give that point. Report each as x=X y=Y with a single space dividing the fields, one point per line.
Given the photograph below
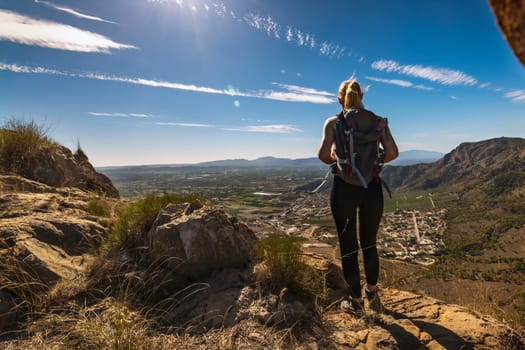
x=356 y=189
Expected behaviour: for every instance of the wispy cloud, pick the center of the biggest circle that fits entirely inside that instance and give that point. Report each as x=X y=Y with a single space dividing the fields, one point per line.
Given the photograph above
x=270 y=129
x=73 y=12
x=398 y=82
x=268 y=25
x=188 y=125
x=131 y=115
x=516 y=95
x=445 y=76
x=275 y=129
x=291 y=93
x=30 y=31
x=303 y=90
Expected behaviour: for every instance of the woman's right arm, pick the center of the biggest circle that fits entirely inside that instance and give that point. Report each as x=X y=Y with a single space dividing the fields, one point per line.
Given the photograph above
x=325 y=153
x=387 y=140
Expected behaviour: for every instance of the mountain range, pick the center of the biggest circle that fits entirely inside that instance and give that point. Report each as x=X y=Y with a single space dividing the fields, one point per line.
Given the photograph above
x=405 y=158
x=495 y=166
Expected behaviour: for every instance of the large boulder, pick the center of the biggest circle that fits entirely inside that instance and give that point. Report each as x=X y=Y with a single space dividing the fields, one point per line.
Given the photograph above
x=198 y=240
x=62 y=168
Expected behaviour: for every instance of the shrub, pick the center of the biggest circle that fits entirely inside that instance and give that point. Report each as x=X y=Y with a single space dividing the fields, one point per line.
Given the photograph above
x=135 y=219
x=283 y=267
x=20 y=143
x=97 y=207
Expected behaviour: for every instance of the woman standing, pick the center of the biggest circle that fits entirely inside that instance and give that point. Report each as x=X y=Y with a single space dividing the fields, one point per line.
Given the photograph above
x=365 y=196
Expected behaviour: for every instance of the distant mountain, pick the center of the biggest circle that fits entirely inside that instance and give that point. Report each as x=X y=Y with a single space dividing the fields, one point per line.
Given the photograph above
x=405 y=158
x=224 y=163
x=415 y=157
x=495 y=166
x=263 y=162
x=266 y=162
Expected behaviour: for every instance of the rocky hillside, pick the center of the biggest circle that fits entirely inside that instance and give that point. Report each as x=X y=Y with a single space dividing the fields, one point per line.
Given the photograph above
x=27 y=151
x=496 y=166
x=189 y=279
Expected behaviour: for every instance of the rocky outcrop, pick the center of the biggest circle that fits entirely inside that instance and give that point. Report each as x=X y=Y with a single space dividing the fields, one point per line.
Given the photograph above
x=55 y=165
x=412 y=321
x=510 y=15
x=200 y=240
x=62 y=168
x=47 y=228
x=230 y=303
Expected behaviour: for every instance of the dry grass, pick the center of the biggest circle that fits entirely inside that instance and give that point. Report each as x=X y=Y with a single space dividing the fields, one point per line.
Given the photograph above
x=282 y=267
x=20 y=142
x=18 y=278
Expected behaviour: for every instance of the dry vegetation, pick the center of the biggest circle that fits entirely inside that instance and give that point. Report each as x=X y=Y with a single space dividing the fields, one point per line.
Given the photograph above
x=125 y=300
x=20 y=142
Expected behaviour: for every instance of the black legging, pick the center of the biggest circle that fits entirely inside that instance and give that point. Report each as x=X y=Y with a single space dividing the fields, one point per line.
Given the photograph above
x=345 y=200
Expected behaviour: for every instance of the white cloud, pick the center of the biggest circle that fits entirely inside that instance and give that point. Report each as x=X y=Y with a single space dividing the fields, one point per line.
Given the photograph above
x=263 y=23
x=220 y=10
x=398 y=82
x=25 y=69
x=294 y=97
x=292 y=93
x=516 y=95
x=303 y=90
x=445 y=76
x=30 y=31
x=132 y=115
x=269 y=129
x=274 y=129
x=189 y=125
x=289 y=34
x=73 y=12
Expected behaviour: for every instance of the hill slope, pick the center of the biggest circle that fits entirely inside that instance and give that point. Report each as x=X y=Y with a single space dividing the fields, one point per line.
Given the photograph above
x=496 y=166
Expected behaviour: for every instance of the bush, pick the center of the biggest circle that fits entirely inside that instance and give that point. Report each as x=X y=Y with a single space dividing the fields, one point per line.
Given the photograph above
x=20 y=143
x=136 y=219
x=97 y=207
x=283 y=267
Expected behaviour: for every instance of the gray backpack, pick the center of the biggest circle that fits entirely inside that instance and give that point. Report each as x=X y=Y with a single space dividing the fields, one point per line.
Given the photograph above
x=359 y=155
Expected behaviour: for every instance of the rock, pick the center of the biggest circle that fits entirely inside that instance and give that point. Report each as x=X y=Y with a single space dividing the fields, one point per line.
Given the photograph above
x=200 y=242
x=47 y=229
x=511 y=19
x=55 y=165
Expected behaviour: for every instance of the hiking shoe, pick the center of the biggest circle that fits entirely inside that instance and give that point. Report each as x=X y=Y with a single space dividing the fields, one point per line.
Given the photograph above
x=352 y=307
x=374 y=302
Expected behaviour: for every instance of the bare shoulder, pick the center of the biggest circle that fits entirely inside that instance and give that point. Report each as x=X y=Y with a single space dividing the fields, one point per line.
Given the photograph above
x=330 y=122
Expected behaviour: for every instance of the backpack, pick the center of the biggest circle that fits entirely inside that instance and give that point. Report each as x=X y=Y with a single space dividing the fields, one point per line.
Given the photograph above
x=359 y=155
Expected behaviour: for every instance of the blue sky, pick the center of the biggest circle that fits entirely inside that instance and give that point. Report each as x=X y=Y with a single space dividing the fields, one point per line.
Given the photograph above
x=184 y=81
